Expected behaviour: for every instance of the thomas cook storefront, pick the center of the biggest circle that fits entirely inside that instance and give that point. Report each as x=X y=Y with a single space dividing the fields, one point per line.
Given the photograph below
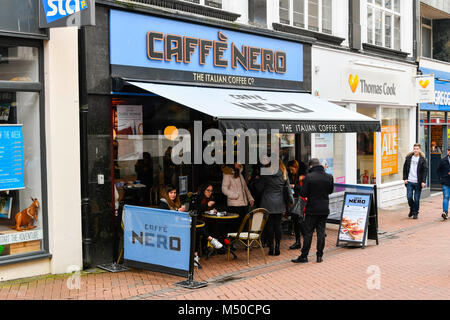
x=174 y=80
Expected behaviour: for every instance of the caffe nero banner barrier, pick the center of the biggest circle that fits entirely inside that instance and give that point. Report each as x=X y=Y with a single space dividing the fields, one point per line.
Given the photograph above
x=153 y=48
x=156 y=239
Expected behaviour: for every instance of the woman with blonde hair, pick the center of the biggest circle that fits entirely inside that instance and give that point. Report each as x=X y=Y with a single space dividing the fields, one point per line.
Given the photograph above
x=276 y=196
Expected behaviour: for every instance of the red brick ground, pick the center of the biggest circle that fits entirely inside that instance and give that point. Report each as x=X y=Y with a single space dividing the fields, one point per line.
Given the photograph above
x=413 y=259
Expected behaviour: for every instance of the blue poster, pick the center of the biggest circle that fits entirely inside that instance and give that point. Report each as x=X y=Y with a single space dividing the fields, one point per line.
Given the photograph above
x=11 y=157
x=157 y=237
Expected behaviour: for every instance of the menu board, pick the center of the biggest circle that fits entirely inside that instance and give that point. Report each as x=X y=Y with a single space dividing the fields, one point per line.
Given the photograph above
x=354 y=217
x=11 y=157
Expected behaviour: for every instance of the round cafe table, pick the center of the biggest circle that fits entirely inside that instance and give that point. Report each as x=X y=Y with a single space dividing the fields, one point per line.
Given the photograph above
x=220 y=226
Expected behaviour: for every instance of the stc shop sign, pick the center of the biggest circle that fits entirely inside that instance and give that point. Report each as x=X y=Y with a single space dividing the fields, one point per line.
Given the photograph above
x=153 y=48
x=66 y=13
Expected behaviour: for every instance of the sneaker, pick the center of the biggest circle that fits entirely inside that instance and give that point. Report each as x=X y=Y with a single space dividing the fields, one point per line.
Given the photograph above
x=216 y=243
x=445 y=215
x=410 y=214
x=197 y=262
x=415 y=215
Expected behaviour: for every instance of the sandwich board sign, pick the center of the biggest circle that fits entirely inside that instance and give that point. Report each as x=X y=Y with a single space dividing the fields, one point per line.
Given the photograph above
x=66 y=13
x=354 y=218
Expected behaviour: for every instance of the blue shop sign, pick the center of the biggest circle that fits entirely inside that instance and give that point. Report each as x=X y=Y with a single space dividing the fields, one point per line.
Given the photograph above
x=11 y=157
x=441 y=91
x=156 y=239
x=152 y=48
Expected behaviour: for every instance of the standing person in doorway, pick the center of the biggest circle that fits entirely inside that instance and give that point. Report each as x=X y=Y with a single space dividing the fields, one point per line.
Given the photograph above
x=444 y=176
x=415 y=171
x=272 y=188
x=296 y=176
x=317 y=186
x=235 y=189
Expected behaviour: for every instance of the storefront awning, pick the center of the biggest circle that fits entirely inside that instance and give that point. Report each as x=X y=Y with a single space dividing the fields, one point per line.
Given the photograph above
x=288 y=112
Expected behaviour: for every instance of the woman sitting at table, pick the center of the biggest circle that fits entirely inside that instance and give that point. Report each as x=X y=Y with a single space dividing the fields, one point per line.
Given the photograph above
x=170 y=200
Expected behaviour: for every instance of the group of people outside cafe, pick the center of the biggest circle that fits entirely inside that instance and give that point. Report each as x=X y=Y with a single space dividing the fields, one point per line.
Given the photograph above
x=298 y=190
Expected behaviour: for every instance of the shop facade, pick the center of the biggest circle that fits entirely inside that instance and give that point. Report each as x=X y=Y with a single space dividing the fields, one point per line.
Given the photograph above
x=433 y=117
x=162 y=76
x=40 y=221
x=382 y=89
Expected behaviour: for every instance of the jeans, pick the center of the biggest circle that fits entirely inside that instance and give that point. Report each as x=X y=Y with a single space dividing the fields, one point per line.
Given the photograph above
x=318 y=223
x=413 y=191
x=446 y=192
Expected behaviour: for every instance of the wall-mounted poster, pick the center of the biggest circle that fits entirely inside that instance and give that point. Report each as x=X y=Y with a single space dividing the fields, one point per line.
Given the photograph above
x=389 y=151
x=5 y=206
x=11 y=157
x=323 y=149
x=130 y=132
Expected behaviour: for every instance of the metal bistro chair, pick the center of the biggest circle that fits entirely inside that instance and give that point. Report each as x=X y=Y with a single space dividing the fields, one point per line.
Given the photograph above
x=256 y=222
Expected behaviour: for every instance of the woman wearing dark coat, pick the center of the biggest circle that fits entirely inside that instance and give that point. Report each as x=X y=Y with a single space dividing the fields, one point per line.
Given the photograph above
x=271 y=187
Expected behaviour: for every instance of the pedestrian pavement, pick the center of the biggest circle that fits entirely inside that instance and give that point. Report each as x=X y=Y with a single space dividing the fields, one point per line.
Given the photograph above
x=412 y=261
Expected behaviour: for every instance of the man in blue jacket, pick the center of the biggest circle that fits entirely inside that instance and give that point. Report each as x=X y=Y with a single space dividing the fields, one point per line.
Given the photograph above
x=444 y=176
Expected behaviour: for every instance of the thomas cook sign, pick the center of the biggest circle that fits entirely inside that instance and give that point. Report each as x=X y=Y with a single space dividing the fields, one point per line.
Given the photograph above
x=66 y=13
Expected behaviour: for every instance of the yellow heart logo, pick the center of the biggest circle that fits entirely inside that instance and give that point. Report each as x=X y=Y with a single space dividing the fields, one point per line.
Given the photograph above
x=424 y=84
x=353 y=81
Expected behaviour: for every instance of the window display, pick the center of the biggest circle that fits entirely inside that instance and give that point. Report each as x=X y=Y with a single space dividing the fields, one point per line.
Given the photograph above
x=21 y=228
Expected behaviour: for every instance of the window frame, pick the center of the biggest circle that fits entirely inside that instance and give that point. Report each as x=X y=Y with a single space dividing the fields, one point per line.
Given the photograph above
x=430 y=27
x=306 y=16
x=38 y=87
x=203 y=3
x=384 y=10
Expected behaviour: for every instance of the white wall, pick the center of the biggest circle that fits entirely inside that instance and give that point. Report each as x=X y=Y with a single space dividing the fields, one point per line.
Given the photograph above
x=63 y=149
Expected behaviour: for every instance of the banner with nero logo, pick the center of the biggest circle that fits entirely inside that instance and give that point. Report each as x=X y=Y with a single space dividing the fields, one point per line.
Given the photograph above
x=157 y=240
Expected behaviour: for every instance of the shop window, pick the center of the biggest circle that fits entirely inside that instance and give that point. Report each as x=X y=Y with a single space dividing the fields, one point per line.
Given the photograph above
x=383 y=23
x=329 y=148
x=20 y=16
x=18 y=63
x=20 y=108
x=145 y=132
x=395 y=144
x=314 y=15
x=365 y=150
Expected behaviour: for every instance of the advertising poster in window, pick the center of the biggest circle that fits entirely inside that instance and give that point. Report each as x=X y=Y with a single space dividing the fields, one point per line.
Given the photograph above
x=11 y=157
x=130 y=132
x=389 y=151
x=354 y=217
x=323 y=149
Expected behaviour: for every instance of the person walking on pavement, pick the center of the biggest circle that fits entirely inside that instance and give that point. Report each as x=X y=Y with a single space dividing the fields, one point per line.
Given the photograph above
x=415 y=170
x=317 y=186
x=443 y=172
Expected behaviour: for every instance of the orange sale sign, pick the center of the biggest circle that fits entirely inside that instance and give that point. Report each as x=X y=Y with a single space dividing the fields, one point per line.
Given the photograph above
x=389 y=150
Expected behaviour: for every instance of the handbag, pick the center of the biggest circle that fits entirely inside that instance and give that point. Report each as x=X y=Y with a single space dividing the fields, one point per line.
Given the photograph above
x=287 y=194
x=299 y=207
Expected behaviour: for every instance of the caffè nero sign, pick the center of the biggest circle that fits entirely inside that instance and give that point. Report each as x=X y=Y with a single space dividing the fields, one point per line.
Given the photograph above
x=166 y=50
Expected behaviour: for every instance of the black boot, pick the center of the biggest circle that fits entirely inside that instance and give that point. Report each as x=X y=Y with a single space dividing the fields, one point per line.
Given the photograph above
x=296 y=245
x=271 y=250
x=277 y=249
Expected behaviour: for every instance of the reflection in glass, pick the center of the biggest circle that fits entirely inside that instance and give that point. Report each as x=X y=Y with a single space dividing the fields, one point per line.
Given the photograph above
x=19 y=63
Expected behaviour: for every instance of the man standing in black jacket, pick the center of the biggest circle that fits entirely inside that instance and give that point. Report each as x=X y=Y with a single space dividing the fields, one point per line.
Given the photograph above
x=317 y=186
x=444 y=175
x=415 y=171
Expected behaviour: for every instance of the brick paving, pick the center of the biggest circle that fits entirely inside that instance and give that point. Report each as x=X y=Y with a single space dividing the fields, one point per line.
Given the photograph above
x=412 y=258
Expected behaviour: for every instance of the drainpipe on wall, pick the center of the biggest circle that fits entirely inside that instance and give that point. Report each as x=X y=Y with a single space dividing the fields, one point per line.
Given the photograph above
x=84 y=164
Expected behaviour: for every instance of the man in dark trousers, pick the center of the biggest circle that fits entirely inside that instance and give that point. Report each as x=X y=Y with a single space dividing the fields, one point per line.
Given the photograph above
x=415 y=171
x=317 y=186
x=444 y=176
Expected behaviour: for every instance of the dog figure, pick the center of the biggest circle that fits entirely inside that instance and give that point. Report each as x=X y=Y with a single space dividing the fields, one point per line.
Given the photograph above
x=27 y=217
